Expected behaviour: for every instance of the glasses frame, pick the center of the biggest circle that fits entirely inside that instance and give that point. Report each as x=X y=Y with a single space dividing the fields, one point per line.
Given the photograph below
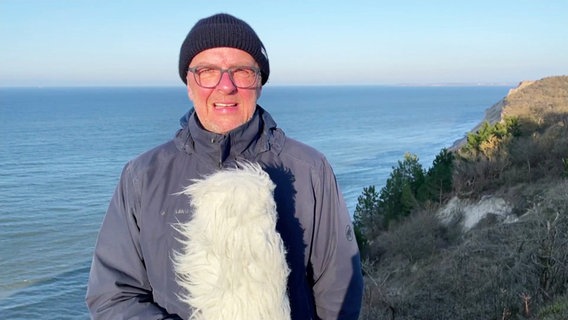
x=230 y=72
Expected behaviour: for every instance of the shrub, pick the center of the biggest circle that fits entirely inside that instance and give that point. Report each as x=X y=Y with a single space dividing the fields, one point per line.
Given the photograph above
x=416 y=238
x=503 y=271
x=556 y=310
x=474 y=176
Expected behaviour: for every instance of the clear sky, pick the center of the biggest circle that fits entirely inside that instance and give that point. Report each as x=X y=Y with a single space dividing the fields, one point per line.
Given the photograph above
x=131 y=43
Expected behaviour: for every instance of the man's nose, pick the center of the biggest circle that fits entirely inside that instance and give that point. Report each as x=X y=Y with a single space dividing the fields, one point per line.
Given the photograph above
x=226 y=84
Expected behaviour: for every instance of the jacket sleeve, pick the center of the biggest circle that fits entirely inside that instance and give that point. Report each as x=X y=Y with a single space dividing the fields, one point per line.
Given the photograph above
x=338 y=281
x=118 y=286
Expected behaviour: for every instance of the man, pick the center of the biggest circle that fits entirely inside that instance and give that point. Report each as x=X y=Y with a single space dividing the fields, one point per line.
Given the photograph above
x=224 y=64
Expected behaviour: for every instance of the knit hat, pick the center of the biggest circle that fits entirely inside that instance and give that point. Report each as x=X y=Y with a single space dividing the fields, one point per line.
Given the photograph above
x=222 y=30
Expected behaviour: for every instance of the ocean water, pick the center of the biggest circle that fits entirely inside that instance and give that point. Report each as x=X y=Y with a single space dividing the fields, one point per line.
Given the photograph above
x=62 y=150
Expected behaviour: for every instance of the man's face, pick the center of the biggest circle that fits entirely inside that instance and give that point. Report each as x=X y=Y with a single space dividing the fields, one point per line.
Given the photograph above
x=225 y=107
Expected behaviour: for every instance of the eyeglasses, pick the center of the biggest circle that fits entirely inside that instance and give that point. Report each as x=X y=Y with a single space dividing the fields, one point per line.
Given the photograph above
x=209 y=76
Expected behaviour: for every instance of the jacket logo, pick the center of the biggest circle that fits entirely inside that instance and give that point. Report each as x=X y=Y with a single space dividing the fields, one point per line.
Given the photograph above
x=349 y=232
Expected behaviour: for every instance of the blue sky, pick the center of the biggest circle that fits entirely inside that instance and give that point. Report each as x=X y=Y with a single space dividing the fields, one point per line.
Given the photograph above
x=132 y=43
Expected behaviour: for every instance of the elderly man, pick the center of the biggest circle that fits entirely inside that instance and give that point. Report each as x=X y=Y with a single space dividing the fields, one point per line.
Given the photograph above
x=133 y=275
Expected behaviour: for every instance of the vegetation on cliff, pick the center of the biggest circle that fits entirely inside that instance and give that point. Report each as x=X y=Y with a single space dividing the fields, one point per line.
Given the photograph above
x=422 y=261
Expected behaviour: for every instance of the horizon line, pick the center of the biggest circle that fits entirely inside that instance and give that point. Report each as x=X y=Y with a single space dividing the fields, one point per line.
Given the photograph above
x=409 y=84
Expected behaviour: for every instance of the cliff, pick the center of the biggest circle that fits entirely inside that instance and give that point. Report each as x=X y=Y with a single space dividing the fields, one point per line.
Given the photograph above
x=529 y=99
x=542 y=106
x=494 y=246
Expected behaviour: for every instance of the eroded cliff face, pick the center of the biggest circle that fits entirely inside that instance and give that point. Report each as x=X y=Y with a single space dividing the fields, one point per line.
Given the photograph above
x=527 y=99
x=470 y=213
x=537 y=98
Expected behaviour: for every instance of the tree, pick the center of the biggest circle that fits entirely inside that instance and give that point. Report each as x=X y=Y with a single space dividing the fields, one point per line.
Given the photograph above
x=367 y=218
x=398 y=197
x=438 y=179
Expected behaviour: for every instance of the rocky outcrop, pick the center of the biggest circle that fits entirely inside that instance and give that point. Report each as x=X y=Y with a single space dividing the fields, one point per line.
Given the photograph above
x=470 y=213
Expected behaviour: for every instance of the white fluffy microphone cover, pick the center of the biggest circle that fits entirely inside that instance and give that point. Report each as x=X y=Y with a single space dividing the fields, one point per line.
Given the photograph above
x=233 y=264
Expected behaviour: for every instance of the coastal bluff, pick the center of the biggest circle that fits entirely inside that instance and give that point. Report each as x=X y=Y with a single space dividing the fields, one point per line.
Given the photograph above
x=529 y=98
x=489 y=241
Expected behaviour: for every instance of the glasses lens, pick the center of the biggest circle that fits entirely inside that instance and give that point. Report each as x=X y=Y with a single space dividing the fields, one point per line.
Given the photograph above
x=207 y=77
x=244 y=77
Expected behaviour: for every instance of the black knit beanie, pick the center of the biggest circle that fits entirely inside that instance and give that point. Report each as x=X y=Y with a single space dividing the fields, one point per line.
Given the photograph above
x=222 y=30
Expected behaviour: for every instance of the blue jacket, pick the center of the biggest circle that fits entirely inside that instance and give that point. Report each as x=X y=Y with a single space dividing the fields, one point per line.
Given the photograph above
x=132 y=276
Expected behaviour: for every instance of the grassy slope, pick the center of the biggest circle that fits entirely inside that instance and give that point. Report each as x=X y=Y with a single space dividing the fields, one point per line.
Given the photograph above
x=423 y=269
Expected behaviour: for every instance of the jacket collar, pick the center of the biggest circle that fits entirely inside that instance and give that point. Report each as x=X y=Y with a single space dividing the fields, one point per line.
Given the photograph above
x=244 y=142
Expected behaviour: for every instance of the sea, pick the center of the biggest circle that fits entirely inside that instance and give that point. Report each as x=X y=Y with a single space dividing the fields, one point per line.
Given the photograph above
x=62 y=151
